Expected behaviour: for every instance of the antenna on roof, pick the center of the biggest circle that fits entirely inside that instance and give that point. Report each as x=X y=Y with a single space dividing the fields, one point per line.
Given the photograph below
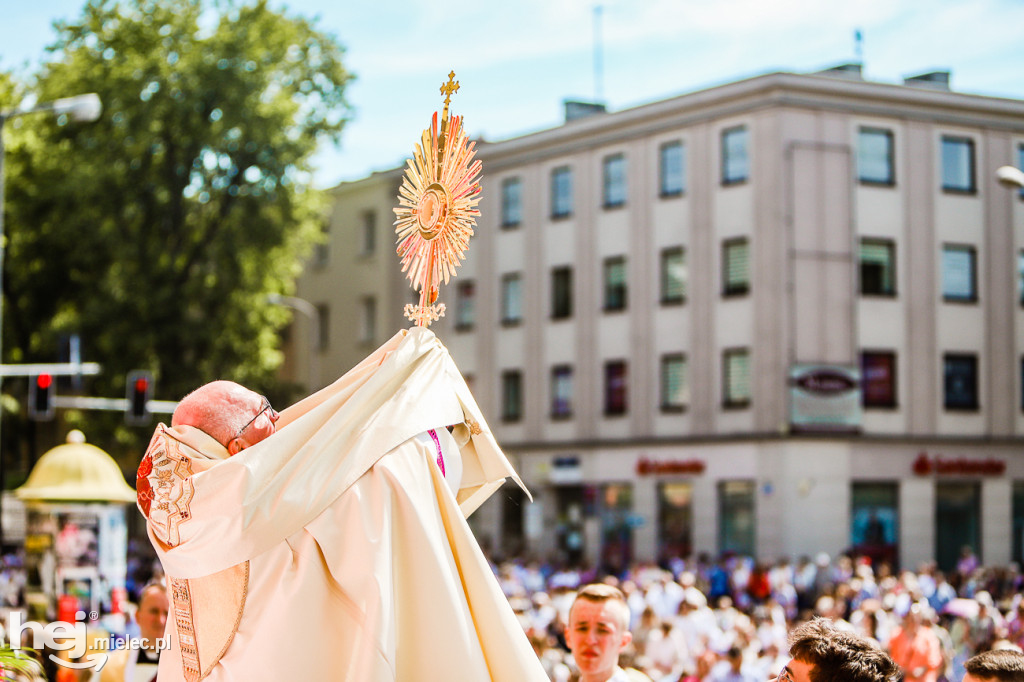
x=858 y=45
x=598 y=65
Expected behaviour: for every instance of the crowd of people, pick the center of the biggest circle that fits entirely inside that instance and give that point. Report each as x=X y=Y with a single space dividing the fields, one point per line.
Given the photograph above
x=728 y=620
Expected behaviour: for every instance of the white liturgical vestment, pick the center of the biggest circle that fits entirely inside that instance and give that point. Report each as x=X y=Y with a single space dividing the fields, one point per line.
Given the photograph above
x=335 y=549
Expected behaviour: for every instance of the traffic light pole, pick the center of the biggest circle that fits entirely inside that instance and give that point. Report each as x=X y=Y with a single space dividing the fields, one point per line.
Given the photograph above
x=54 y=368
x=115 y=404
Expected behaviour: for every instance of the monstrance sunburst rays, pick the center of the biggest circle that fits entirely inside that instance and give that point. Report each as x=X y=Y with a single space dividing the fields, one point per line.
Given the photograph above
x=437 y=208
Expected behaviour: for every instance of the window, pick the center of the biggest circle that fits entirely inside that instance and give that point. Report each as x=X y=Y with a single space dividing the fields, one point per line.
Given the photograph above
x=959 y=276
x=561 y=293
x=737 y=518
x=368 y=320
x=615 y=387
x=958 y=164
x=675 y=519
x=874 y=520
x=736 y=377
x=1020 y=277
x=614 y=181
x=875 y=157
x=675 y=393
x=615 y=283
x=1022 y=383
x=511 y=202
x=673 y=275
x=958 y=514
x=1020 y=164
x=368 y=235
x=561 y=192
x=878 y=378
x=322 y=252
x=735 y=155
x=323 y=320
x=511 y=299
x=511 y=395
x=735 y=267
x=877 y=267
x=672 y=169
x=465 y=305
x=561 y=392
x=960 y=381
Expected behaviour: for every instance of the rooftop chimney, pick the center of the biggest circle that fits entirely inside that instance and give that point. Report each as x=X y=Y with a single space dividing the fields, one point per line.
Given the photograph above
x=936 y=80
x=851 y=70
x=576 y=109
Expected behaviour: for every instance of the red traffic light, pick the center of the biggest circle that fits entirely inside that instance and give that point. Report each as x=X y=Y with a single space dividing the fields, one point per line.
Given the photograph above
x=41 y=397
x=139 y=390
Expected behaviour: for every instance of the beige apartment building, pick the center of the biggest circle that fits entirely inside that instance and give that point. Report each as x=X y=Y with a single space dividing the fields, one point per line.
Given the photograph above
x=775 y=317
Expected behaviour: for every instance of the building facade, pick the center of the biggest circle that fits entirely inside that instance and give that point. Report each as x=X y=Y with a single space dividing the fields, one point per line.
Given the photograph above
x=776 y=317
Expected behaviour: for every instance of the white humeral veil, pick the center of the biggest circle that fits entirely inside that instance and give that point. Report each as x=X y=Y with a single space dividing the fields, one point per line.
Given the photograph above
x=334 y=550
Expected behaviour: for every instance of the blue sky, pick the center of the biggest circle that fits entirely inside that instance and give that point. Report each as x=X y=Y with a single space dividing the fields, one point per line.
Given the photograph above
x=517 y=60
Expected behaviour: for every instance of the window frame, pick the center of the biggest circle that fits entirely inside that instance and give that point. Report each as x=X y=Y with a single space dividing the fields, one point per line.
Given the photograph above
x=561 y=372
x=367 y=320
x=322 y=250
x=608 y=181
x=1020 y=378
x=728 y=289
x=511 y=410
x=323 y=319
x=728 y=180
x=663 y=276
x=616 y=404
x=507 y=279
x=511 y=222
x=557 y=311
x=556 y=210
x=1020 y=277
x=972 y=171
x=663 y=383
x=890 y=156
x=668 y=192
x=462 y=302
x=611 y=292
x=1020 y=164
x=972 y=252
x=367 y=232
x=730 y=402
x=890 y=246
x=884 y=404
x=973 y=404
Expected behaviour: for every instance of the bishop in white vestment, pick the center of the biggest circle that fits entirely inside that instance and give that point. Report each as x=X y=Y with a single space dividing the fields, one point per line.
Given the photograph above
x=337 y=548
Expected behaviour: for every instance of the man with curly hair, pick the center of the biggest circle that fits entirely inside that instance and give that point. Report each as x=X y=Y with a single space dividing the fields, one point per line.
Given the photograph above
x=998 y=665
x=823 y=653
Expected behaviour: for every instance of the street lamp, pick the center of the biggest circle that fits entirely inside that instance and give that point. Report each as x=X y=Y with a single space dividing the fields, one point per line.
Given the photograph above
x=310 y=311
x=80 y=108
x=1011 y=177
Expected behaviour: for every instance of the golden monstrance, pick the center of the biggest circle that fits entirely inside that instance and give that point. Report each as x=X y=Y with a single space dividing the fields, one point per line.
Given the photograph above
x=437 y=207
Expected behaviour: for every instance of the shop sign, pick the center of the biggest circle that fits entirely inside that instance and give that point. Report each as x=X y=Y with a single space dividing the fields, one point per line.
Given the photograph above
x=566 y=470
x=648 y=467
x=824 y=398
x=958 y=466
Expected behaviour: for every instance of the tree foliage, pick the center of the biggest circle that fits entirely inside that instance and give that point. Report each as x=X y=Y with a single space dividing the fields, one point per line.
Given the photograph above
x=158 y=231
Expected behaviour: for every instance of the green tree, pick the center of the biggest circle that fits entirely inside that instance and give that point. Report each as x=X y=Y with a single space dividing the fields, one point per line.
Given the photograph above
x=158 y=231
